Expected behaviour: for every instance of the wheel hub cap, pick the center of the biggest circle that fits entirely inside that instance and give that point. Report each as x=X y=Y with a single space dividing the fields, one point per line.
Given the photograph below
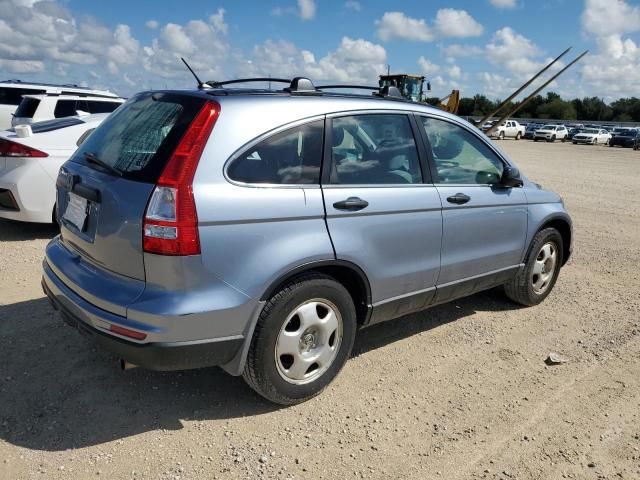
x=309 y=341
x=544 y=267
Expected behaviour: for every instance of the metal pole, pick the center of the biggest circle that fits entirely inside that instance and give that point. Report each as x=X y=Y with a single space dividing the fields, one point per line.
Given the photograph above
x=526 y=100
x=517 y=92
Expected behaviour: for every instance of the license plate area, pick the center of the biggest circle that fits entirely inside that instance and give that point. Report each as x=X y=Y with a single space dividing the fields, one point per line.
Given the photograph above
x=76 y=211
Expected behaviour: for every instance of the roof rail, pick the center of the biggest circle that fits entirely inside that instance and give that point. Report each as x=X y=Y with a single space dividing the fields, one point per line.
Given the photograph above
x=386 y=91
x=214 y=84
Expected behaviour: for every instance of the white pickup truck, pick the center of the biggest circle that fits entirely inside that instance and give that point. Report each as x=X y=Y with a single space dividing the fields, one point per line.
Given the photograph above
x=511 y=129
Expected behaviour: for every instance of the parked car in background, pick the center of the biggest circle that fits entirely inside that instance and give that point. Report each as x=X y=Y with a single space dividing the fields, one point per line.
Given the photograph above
x=12 y=91
x=592 y=136
x=573 y=131
x=37 y=108
x=624 y=137
x=30 y=158
x=551 y=133
x=509 y=129
x=530 y=130
x=636 y=141
x=198 y=231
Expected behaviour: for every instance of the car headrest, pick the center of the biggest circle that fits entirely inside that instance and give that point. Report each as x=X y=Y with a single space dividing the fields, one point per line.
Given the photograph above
x=337 y=136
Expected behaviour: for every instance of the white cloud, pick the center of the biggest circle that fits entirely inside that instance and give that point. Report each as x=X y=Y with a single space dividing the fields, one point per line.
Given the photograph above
x=504 y=3
x=353 y=5
x=449 y=22
x=614 y=69
x=455 y=72
x=456 y=23
x=398 y=25
x=427 y=67
x=152 y=24
x=514 y=52
x=307 y=9
x=204 y=44
x=456 y=50
x=354 y=60
x=22 y=66
x=608 y=17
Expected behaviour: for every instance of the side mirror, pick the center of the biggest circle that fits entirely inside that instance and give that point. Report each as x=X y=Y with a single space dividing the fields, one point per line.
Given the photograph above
x=511 y=177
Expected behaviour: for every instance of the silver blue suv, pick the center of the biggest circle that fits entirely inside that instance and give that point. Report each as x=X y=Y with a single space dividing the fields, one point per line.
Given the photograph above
x=259 y=230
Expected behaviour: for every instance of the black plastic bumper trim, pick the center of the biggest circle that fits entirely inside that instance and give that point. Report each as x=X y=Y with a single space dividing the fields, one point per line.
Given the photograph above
x=157 y=355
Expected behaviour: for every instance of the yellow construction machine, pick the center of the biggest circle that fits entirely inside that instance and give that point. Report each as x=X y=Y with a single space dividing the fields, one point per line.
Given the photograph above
x=412 y=88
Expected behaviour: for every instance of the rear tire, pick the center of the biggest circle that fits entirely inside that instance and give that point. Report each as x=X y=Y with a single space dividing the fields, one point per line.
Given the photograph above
x=518 y=136
x=302 y=339
x=542 y=266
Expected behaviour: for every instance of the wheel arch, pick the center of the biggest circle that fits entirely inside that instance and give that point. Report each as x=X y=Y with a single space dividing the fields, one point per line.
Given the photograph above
x=351 y=276
x=563 y=226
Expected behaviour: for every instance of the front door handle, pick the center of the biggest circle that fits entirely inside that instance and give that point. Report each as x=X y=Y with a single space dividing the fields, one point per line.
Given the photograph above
x=458 y=198
x=352 y=204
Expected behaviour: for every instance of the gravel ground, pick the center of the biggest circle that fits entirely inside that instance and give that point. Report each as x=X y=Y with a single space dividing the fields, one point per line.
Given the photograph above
x=459 y=391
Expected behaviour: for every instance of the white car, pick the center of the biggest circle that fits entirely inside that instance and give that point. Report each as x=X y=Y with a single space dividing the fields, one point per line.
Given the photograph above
x=551 y=133
x=592 y=136
x=37 y=108
x=30 y=157
x=12 y=91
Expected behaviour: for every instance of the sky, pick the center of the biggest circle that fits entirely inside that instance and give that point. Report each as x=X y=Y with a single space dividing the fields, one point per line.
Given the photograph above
x=478 y=46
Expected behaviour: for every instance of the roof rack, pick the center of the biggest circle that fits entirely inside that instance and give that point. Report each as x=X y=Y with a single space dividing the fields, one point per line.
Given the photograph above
x=66 y=85
x=302 y=85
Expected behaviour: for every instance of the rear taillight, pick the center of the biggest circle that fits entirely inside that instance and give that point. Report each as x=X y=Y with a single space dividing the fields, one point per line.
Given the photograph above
x=13 y=149
x=171 y=222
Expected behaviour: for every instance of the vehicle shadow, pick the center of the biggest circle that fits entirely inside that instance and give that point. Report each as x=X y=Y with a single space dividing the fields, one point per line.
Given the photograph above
x=19 y=231
x=58 y=392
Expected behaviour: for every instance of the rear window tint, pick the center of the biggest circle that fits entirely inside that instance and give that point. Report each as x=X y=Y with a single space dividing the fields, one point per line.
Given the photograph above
x=138 y=139
x=27 y=108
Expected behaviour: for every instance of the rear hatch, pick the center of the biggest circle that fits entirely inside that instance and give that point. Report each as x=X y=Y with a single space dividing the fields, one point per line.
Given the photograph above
x=103 y=190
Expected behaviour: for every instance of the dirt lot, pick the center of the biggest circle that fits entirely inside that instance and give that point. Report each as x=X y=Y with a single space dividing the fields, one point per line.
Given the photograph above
x=460 y=391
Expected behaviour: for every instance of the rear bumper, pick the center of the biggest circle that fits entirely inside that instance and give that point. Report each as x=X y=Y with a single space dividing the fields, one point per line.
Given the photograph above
x=31 y=188
x=94 y=323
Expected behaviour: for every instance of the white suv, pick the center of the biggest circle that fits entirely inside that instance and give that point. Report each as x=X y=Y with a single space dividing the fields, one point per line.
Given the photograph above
x=13 y=91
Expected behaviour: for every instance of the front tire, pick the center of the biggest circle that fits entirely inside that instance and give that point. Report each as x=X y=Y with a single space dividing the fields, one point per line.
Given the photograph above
x=553 y=139
x=542 y=266
x=302 y=339
x=501 y=136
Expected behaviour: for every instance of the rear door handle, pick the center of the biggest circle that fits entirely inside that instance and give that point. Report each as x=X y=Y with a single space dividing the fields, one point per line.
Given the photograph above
x=352 y=204
x=458 y=198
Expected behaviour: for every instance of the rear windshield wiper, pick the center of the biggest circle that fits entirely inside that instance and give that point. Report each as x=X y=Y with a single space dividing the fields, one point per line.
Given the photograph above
x=92 y=158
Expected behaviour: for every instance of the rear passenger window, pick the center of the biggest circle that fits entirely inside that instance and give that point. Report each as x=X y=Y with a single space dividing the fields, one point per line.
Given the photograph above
x=374 y=149
x=291 y=157
x=102 y=107
x=65 y=108
x=460 y=156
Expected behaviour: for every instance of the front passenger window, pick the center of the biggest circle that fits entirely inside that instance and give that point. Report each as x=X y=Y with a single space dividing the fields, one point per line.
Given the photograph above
x=460 y=156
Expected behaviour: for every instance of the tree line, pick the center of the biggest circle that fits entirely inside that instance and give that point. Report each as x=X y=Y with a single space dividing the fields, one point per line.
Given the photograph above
x=553 y=106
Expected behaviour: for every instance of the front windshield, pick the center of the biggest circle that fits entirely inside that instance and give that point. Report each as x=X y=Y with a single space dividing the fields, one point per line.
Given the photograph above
x=548 y=127
x=590 y=130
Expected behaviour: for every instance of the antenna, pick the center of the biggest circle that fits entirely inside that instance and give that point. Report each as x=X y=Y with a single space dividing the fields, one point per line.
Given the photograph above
x=201 y=84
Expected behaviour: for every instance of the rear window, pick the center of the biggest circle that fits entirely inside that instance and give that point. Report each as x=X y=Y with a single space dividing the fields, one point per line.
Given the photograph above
x=27 y=108
x=138 y=139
